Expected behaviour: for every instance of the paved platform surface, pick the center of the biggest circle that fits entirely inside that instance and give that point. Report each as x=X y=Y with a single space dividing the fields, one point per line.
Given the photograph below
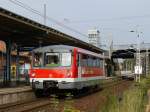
x=16 y=94
x=15 y=90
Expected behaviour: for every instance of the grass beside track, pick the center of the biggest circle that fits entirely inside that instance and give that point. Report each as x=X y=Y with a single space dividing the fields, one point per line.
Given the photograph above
x=132 y=100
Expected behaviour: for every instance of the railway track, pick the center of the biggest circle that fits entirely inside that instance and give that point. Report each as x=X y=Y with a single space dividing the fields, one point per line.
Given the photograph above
x=40 y=102
x=25 y=106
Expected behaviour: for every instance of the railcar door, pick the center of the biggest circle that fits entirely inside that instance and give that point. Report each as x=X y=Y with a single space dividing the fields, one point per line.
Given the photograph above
x=79 y=66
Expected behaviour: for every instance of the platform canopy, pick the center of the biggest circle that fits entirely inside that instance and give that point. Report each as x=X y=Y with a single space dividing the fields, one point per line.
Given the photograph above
x=28 y=33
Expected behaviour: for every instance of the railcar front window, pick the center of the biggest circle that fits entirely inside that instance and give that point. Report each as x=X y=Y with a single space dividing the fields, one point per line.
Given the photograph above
x=52 y=59
x=57 y=59
x=66 y=59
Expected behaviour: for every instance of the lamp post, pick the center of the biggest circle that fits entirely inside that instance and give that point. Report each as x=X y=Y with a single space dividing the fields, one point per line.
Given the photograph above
x=138 y=68
x=110 y=36
x=147 y=62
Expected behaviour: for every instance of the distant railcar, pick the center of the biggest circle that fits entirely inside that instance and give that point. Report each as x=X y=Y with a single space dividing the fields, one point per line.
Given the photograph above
x=65 y=68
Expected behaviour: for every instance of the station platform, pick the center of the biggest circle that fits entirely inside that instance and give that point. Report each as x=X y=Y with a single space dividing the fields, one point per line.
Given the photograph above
x=16 y=94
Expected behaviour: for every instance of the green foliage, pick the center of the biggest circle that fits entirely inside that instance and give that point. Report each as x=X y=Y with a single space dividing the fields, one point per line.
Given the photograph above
x=71 y=110
x=111 y=104
x=133 y=100
x=68 y=106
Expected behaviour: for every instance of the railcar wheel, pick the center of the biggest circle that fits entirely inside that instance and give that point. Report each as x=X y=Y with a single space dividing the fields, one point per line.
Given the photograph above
x=39 y=93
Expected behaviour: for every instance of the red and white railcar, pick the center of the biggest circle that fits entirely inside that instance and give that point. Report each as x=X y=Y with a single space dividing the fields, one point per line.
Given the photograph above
x=65 y=67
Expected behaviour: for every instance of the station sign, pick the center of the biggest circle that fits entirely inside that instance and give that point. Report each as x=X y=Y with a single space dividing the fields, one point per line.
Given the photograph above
x=138 y=69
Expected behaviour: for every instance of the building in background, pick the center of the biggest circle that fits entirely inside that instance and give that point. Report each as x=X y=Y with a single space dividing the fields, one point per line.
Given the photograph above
x=94 y=37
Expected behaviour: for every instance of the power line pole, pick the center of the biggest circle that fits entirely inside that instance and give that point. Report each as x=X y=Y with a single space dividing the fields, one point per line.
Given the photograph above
x=138 y=67
x=138 y=58
x=44 y=14
x=111 y=45
x=147 y=62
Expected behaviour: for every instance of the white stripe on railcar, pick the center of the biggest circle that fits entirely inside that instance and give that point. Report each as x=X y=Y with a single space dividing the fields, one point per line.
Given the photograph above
x=67 y=79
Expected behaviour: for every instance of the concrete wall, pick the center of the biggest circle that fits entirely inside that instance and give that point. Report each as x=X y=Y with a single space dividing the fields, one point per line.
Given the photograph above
x=7 y=96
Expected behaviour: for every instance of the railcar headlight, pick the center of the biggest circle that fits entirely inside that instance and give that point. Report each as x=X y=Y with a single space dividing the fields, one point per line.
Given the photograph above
x=68 y=74
x=33 y=74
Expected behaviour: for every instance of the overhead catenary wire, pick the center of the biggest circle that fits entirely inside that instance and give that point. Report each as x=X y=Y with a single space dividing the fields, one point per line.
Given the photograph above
x=109 y=19
x=16 y=2
x=27 y=7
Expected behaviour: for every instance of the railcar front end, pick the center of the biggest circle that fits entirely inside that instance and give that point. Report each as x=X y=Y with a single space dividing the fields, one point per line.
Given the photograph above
x=65 y=68
x=53 y=70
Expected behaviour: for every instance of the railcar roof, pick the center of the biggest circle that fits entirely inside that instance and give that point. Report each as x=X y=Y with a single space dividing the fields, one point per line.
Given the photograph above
x=48 y=48
x=65 y=47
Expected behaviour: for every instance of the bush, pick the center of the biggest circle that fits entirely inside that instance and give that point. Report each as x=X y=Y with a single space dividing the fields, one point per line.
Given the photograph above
x=133 y=100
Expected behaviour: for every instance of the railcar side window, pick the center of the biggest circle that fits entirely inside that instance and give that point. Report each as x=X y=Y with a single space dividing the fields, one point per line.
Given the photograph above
x=37 y=60
x=98 y=62
x=90 y=61
x=101 y=63
x=52 y=59
x=94 y=62
x=84 y=60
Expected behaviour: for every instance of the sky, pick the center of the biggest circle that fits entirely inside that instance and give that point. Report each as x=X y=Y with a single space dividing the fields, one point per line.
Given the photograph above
x=113 y=18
